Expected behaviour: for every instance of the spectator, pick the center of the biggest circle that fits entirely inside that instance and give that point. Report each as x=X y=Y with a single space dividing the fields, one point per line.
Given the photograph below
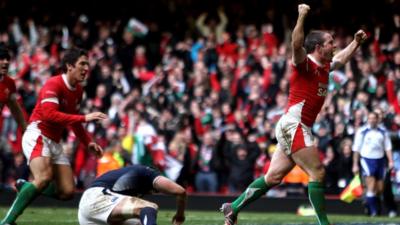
x=206 y=179
x=242 y=160
x=212 y=27
x=345 y=163
x=371 y=143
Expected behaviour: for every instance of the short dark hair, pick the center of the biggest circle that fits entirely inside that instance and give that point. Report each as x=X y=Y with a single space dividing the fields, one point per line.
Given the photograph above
x=374 y=113
x=4 y=53
x=71 y=56
x=315 y=37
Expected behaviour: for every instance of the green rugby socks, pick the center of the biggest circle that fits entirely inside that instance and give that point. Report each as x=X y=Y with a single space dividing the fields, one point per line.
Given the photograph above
x=316 y=194
x=254 y=191
x=26 y=195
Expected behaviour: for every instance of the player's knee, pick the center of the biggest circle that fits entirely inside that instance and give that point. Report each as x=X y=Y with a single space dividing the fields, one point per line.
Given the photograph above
x=43 y=179
x=143 y=204
x=152 y=205
x=318 y=173
x=181 y=191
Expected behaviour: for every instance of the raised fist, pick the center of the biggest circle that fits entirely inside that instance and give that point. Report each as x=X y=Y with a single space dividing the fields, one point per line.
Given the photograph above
x=303 y=9
x=360 y=36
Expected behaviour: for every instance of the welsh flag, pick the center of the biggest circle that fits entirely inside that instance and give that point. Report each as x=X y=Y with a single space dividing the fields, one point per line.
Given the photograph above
x=353 y=190
x=139 y=153
x=134 y=144
x=337 y=80
x=137 y=27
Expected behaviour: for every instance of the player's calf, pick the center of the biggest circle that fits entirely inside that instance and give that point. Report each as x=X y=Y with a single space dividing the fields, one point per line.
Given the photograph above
x=147 y=211
x=148 y=216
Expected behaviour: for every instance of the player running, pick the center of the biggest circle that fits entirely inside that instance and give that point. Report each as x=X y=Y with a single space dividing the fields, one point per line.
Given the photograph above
x=56 y=109
x=308 y=89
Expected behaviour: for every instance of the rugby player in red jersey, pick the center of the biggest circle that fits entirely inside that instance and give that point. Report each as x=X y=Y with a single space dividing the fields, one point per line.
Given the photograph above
x=56 y=109
x=8 y=90
x=313 y=59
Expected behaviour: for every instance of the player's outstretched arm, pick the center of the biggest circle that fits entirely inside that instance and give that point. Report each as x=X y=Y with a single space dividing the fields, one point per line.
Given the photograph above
x=344 y=55
x=95 y=116
x=167 y=186
x=299 y=53
x=51 y=113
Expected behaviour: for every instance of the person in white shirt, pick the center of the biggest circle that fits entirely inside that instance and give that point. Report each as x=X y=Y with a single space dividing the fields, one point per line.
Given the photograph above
x=387 y=192
x=371 y=143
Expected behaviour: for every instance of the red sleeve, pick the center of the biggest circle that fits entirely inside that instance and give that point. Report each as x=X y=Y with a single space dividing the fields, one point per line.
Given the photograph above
x=80 y=159
x=50 y=95
x=11 y=85
x=26 y=61
x=198 y=127
x=235 y=82
x=51 y=113
x=215 y=85
x=377 y=50
x=81 y=133
x=391 y=93
x=266 y=78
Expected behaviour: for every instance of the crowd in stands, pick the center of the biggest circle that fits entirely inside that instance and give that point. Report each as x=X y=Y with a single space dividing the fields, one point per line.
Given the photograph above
x=200 y=105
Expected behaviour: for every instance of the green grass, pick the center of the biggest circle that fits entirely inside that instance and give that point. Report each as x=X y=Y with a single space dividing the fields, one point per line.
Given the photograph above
x=68 y=216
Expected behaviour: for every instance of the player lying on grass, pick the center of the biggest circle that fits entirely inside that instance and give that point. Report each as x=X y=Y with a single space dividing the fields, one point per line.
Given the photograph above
x=114 y=197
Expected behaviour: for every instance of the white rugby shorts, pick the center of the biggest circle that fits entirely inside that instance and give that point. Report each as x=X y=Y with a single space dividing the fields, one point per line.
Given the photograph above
x=34 y=144
x=96 y=206
x=292 y=135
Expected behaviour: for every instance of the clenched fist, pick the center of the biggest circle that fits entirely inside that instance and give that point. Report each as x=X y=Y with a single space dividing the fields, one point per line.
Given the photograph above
x=360 y=36
x=303 y=9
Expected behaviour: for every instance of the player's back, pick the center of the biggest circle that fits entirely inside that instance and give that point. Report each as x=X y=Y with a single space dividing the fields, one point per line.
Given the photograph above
x=308 y=89
x=133 y=180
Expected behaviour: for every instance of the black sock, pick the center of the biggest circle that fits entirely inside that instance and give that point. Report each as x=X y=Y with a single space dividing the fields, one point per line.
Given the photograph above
x=148 y=216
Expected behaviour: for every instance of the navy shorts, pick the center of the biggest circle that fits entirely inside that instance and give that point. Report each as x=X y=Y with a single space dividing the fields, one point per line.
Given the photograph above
x=373 y=167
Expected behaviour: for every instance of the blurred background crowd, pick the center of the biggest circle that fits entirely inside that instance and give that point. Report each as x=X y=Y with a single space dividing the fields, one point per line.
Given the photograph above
x=195 y=88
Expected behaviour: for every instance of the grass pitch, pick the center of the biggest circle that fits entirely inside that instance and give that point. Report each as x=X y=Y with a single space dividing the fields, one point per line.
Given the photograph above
x=68 y=216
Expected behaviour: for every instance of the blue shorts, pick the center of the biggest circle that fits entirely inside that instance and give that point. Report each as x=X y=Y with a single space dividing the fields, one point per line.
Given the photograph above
x=373 y=167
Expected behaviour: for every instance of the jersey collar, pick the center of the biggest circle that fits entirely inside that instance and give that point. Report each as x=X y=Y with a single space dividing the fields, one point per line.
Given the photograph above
x=64 y=77
x=314 y=60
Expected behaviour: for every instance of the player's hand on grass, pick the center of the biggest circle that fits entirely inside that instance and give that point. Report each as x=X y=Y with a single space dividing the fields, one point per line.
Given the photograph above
x=95 y=116
x=178 y=219
x=96 y=149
